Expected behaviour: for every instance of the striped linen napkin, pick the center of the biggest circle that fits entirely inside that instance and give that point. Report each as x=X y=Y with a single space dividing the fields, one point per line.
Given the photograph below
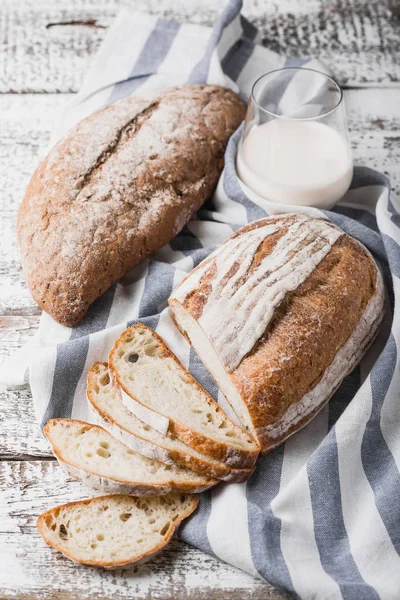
x=320 y=517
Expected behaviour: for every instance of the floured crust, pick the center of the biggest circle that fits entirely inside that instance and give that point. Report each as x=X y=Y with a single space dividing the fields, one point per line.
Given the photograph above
x=119 y=186
x=151 y=449
x=307 y=329
x=231 y=456
x=111 y=564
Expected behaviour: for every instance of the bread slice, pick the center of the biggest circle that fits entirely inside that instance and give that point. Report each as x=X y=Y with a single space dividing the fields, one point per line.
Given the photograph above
x=112 y=414
x=114 y=531
x=156 y=387
x=91 y=454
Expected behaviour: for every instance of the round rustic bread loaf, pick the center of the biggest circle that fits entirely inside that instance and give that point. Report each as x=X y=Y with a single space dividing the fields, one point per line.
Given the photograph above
x=279 y=314
x=121 y=184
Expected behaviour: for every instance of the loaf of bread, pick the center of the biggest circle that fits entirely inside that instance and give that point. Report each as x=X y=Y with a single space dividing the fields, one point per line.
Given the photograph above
x=121 y=184
x=280 y=314
x=114 y=531
x=111 y=414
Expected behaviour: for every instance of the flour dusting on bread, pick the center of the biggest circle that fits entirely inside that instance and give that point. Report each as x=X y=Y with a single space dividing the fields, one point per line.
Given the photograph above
x=243 y=298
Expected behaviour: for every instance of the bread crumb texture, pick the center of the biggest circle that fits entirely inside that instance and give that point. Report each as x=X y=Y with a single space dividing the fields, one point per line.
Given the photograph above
x=114 y=531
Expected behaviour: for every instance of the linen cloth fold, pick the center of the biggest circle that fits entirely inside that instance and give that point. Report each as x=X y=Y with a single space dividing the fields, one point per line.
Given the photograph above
x=320 y=516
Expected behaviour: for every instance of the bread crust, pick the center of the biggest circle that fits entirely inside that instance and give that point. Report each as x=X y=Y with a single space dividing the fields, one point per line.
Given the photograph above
x=113 y=486
x=152 y=450
x=308 y=328
x=40 y=524
x=229 y=455
x=119 y=186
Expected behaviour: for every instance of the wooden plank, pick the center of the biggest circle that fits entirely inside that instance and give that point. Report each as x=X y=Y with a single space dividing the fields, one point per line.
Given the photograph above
x=29 y=569
x=48 y=46
x=20 y=436
x=26 y=122
x=16 y=331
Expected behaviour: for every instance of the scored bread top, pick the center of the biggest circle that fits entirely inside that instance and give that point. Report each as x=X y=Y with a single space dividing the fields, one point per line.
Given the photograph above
x=112 y=414
x=116 y=530
x=119 y=186
x=93 y=450
x=239 y=287
x=276 y=302
x=150 y=374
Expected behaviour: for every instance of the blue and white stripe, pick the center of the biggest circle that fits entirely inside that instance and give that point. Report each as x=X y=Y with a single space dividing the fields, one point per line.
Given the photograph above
x=320 y=517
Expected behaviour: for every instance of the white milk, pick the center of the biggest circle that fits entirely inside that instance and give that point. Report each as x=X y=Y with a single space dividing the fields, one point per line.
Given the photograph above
x=296 y=162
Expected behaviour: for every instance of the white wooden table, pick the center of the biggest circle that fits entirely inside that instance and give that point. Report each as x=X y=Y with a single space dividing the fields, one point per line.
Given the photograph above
x=45 y=49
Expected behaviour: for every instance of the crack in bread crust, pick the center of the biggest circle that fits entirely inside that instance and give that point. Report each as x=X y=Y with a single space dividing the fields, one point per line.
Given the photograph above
x=125 y=134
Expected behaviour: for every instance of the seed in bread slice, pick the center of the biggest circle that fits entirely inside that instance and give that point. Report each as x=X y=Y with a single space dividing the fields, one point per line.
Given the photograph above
x=110 y=413
x=91 y=454
x=114 y=531
x=154 y=383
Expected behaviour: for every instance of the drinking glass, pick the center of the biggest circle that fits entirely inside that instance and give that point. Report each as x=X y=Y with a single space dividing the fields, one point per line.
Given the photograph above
x=295 y=145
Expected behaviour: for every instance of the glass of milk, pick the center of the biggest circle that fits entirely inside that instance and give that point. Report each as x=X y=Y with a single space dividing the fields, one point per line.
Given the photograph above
x=295 y=146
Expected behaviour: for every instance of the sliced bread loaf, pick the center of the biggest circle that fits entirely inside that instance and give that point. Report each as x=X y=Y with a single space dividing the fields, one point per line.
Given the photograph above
x=91 y=454
x=112 y=414
x=160 y=391
x=114 y=531
x=279 y=314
